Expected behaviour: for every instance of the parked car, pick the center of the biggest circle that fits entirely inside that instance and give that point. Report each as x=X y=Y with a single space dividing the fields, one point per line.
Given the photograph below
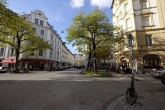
x=158 y=73
x=78 y=67
x=163 y=79
x=3 y=69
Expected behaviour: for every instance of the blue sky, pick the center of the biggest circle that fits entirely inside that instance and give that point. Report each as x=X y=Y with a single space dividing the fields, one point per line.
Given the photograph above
x=60 y=12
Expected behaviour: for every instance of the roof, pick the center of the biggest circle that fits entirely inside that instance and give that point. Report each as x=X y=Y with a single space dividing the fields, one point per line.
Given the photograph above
x=112 y=4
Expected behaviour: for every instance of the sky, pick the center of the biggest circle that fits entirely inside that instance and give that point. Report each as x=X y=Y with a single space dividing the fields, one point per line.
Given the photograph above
x=60 y=12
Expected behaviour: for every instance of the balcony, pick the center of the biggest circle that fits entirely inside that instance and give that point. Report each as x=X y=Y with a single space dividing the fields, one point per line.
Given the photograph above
x=151 y=47
x=146 y=11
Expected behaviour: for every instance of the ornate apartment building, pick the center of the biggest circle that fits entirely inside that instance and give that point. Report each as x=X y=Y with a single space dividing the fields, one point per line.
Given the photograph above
x=145 y=21
x=57 y=55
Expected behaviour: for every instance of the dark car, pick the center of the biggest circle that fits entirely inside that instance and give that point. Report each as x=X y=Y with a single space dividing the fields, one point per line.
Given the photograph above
x=163 y=79
x=3 y=69
x=78 y=67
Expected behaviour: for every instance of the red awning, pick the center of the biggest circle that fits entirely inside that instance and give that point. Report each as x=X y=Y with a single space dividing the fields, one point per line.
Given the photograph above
x=8 y=61
x=52 y=61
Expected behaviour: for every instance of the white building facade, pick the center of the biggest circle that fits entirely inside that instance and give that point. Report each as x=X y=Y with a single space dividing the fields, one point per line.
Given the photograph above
x=41 y=59
x=144 y=20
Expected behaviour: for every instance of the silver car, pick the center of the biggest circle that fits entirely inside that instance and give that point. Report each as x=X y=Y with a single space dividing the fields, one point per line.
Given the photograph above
x=158 y=72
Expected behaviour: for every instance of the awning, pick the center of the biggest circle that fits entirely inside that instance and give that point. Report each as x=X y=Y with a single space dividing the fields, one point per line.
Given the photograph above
x=8 y=61
x=52 y=61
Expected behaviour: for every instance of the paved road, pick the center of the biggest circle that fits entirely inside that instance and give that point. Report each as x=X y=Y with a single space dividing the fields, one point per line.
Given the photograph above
x=67 y=90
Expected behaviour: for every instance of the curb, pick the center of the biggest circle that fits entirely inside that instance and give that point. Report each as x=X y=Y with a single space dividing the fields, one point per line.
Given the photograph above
x=115 y=102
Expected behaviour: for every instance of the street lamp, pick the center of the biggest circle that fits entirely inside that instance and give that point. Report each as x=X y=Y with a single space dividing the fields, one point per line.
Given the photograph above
x=130 y=38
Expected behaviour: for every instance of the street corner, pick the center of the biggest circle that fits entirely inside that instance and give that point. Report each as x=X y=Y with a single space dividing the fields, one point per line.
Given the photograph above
x=145 y=101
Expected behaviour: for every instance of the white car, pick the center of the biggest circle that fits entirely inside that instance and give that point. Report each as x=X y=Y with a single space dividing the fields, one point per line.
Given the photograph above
x=158 y=72
x=3 y=69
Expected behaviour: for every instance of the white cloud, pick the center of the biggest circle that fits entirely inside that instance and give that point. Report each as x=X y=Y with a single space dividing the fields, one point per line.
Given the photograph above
x=101 y=3
x=77 y=3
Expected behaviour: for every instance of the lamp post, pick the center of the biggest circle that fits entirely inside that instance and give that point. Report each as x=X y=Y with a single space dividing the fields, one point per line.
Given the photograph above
x=130 y=38
x=37 y=60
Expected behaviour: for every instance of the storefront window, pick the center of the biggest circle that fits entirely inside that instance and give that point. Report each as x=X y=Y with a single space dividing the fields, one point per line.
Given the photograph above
x=151 y=61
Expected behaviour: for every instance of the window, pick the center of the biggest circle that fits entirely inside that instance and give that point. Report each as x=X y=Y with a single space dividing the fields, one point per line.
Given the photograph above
x=151 y=61
x=40 y=52
x=34 y=29
x=146 y=21
x=1 y=51
x=51 y=54
x=42 y=32
x=51 y=46
x=36 y=21
x=41 y=23
x=12 y=52
x=143 y=4
x=126 y=7
x=51 y=37
x=148 y=40
x=128 y=21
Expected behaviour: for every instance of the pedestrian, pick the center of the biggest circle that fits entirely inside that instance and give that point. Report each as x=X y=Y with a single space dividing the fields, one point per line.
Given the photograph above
x=30 y=67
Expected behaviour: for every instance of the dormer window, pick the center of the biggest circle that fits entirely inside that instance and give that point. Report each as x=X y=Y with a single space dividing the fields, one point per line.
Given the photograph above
x=39 y=14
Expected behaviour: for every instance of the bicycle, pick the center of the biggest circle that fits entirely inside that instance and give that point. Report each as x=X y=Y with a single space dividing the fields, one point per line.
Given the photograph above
x=131 y=95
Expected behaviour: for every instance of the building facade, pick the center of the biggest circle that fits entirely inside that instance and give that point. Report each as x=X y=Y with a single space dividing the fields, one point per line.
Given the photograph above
x=144 y=20
x=41 y=59
x=79 y=59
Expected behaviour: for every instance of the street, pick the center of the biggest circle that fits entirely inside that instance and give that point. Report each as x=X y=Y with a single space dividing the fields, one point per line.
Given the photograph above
x=68 y=90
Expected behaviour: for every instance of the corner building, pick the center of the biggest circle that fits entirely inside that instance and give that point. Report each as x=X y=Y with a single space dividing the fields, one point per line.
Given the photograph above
x=145 y=21
x=40 y=59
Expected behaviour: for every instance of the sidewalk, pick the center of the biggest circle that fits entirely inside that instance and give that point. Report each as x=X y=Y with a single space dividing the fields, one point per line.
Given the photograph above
x=145 y=101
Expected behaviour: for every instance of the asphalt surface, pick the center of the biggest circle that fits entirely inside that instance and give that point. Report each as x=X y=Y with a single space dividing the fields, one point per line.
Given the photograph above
x=68 y=90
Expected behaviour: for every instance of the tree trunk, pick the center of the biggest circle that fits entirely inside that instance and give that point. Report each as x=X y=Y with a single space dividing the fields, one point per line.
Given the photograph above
x=104 y=63
x=89 y=58
x=17 y=54
x=17 y=61
x=94 y=51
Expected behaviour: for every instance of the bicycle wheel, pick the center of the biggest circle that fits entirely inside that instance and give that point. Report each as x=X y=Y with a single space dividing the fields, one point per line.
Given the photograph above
x=131 y=96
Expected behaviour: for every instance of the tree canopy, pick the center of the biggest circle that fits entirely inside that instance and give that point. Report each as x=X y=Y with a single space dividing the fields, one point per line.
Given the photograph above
x=93 y=27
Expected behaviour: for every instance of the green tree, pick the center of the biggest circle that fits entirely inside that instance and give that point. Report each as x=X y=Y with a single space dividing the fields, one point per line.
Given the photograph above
x=4 y=2
x=84 y=46
x=94 y=27
x=18 y=34
x=105 y=51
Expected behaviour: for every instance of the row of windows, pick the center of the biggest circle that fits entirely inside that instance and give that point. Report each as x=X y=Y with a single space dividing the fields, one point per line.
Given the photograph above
x=145 y=22
x=37 y=22
x=40 y=53
x=143 y=5
x=41 y=31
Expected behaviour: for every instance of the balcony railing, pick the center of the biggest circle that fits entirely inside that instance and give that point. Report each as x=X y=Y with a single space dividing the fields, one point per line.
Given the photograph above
x=151 y=47
x=146 y=10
